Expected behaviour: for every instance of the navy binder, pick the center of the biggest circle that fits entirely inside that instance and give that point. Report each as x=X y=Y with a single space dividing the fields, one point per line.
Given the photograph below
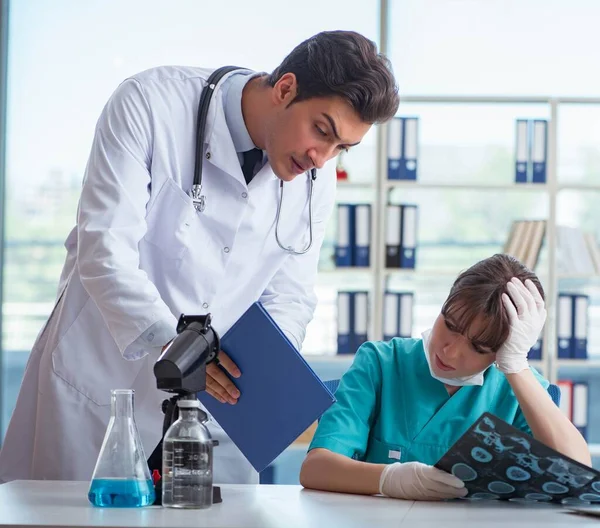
x=408 y=164
x=522 y=151
x=345 y=235
x=564 y=330
x=580 y=326
x=408 y=239
x=391 y=315
x=405 y=322
x=360 y=315
x=535 y=352
x=345 y=322
x=394 y=154
x=362 y=235
x=539 y=150
x=280 y=395
x=393 y=227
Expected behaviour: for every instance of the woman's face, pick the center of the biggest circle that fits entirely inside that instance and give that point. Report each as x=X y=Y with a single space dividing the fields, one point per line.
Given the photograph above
x=452 y=354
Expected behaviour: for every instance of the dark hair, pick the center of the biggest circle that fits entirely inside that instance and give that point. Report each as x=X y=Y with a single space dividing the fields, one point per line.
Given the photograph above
x=344 y=64
x=477 y=292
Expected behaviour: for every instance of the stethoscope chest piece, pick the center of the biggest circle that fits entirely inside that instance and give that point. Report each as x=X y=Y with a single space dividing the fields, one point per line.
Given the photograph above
x=198 y=199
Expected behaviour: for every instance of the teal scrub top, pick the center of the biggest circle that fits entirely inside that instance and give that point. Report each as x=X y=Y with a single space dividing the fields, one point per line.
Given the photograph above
x=390 y=409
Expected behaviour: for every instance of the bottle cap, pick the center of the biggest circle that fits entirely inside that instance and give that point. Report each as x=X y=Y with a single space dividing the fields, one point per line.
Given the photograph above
x=188 y=404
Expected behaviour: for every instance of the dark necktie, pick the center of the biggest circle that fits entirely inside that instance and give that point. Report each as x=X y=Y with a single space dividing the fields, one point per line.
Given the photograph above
x=252 y=159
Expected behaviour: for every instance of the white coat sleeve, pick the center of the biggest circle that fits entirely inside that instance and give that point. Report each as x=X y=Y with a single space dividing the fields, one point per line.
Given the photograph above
x=290 y=295
x=111 y=221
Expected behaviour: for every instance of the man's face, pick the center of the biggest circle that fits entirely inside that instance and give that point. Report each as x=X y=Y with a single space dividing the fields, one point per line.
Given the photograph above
x=307 y=134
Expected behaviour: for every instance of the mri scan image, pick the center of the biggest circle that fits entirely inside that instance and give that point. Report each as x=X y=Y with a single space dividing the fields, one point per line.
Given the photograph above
x=497 y=461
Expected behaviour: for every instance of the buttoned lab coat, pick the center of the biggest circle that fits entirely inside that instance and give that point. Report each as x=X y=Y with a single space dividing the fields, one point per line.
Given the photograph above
x=140 y=256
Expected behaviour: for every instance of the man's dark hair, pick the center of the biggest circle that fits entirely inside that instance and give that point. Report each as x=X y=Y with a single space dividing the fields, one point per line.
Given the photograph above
x=477 y=292
x=344 y=64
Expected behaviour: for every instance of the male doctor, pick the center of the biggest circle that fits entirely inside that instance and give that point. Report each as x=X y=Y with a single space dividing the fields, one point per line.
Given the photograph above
x=141 y=254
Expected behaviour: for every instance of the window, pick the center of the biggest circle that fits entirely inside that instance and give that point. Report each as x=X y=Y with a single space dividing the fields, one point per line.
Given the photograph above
x=507 y=47
x=65 y=59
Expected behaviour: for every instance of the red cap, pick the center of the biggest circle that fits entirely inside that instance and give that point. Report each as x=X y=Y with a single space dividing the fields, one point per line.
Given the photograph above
x=155 y=476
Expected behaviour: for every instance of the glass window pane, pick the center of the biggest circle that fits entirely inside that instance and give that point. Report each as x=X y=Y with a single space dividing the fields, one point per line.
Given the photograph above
x=579 y=144
x=531 y=47
x=66 y=57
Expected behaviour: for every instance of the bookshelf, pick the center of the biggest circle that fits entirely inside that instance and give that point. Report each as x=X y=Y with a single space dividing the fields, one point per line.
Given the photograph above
x=468 y=186
x=550 y=108
x=548 y=272
x=328 y=366
x=554 y=280
x=551 y=189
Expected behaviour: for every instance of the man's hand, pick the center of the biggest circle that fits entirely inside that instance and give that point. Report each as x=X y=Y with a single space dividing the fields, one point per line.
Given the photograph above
x=527 y=314
x=218 y=385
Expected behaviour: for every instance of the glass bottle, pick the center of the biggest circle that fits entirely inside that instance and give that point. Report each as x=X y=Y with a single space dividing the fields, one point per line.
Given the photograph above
x=121 y=477
x=187 y=477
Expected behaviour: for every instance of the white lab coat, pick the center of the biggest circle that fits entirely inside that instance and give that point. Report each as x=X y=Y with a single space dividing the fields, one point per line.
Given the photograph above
x=139 y=255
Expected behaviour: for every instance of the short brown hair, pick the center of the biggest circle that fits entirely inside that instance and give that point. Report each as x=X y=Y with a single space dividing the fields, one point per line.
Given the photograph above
x=344 y=64
x=477 y=292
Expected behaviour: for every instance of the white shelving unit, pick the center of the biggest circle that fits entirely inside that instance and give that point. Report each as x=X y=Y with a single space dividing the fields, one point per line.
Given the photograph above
x=382 y=187
x=399 y=184
x=551 y=188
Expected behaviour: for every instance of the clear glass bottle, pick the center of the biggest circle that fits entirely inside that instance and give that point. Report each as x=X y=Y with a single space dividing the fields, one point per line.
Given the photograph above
x=187 y=476
x=121 y=477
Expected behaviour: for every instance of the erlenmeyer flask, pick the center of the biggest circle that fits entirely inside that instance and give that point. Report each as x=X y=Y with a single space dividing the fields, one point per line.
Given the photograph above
x=121 y=477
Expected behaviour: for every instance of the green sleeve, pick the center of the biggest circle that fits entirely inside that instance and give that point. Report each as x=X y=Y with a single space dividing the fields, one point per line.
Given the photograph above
x=519 y=422
x=344 y=428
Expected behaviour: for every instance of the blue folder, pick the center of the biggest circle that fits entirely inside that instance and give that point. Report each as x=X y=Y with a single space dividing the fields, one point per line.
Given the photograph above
x=280 y=395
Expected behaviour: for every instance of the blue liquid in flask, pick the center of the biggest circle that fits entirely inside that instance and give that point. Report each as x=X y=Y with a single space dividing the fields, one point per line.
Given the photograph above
x=121 y=493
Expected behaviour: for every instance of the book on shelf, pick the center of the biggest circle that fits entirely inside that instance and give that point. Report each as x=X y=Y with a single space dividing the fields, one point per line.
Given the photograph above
x=531 y=150
x=401 y=233
x=403 y=145
x=578 y=251
x=525 y=241
x=352 y=320
x=572 y=326
x=397 y=314
x=353 y=238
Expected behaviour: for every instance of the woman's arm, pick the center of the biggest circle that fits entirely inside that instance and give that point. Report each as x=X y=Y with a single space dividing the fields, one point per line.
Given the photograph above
x=527 y=314
x=328 y=471
x=546 y=421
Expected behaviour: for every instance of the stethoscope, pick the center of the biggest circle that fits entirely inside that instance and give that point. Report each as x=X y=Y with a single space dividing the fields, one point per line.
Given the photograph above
x=198 y=199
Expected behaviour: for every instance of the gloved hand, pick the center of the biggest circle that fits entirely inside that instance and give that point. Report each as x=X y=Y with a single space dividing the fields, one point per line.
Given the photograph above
x=527 y=316
x=416 y=481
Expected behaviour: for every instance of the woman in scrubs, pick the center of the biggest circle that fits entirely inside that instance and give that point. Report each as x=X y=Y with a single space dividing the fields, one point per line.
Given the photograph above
x=403 y=403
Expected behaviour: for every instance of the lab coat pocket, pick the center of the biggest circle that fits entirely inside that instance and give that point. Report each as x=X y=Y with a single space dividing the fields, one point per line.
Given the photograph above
x=379 y=452
x=169 y=219
x=93 y=370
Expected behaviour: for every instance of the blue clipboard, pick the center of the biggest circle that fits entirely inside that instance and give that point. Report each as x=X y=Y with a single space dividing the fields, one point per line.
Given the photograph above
x=280 y=395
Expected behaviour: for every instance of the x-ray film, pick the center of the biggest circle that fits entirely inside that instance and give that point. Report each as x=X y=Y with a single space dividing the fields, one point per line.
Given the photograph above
x=498 y=461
